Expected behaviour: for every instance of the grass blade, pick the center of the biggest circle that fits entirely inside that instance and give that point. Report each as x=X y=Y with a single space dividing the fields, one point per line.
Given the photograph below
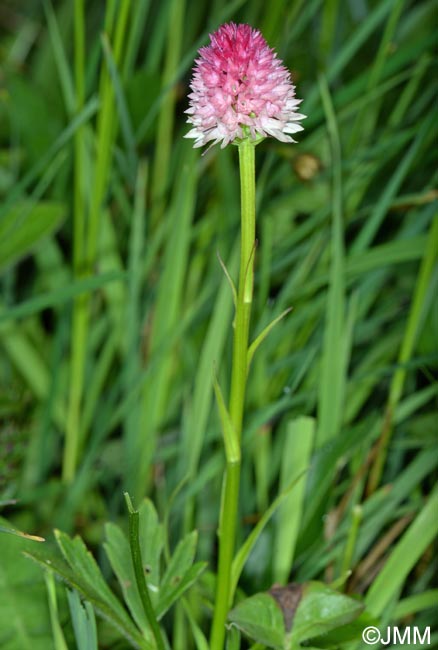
x=404 y=557
x=297 y=452
x=332 y=382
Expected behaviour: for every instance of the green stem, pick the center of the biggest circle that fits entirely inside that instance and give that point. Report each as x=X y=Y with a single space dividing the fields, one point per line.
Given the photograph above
x=134 y=542
x=227 y=535
x=230 y=494
x=78 y=330
x=166 y=118
x=79 y=216
x=356 y=518
x=77 y=371
x=245 y=291
x=86 y=239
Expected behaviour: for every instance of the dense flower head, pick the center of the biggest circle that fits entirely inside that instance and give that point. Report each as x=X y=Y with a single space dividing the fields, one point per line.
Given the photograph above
x=239 y=89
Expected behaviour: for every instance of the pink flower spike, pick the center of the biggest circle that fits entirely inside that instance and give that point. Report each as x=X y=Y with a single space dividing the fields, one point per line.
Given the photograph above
x=241 y=89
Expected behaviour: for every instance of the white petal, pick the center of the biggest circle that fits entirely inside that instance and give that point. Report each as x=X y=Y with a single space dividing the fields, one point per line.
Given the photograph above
x=292 y=128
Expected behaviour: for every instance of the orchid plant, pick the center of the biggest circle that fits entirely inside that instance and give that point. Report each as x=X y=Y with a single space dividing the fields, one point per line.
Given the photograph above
x=241 y=93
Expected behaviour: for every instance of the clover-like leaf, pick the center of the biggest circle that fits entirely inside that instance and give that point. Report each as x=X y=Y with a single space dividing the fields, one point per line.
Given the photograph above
x=320 y=610
x=260 y=618
x=284 y=617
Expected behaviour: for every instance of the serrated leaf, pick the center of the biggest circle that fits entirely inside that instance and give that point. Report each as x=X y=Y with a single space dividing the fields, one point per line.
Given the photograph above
x=116 y=617
x=181 y=561
x=261 y=619
x=24 y=225
x=84 y=565
x=180 y=573
x=179 y=576
x=187 y=580
x=119 y=555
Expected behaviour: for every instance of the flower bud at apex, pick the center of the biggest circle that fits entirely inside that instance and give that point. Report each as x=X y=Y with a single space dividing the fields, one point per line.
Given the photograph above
x=240 y=89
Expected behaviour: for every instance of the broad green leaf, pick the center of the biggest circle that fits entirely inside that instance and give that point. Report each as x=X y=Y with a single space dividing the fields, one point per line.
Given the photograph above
x=24 y=612
x=25 y=225
x=345 y=633
x=261 y=619
x=320 y=610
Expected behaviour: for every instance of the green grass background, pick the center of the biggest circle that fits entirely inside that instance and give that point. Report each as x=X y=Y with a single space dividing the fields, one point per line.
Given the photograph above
x=114 y=310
